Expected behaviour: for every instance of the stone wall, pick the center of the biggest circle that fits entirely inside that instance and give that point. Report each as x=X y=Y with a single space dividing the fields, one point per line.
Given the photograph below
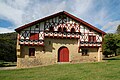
x=48 y=54
x=91 y=57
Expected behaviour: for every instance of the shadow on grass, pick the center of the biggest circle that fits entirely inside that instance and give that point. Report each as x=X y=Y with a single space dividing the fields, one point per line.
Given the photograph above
x=7 y=64
x=111 y=58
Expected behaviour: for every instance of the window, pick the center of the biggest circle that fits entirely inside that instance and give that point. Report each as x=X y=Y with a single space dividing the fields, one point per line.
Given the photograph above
x=31 y=51
x=84 y=52
x=49 y=42
x=72 y=30
x=51 y=29
x=64 y=29
x=92 y=38
x=90 y=29
x=60 y=29
x=34 y=36
x=36 y=26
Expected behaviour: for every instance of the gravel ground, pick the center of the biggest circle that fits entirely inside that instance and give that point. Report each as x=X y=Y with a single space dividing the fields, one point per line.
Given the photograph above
x=7 y=68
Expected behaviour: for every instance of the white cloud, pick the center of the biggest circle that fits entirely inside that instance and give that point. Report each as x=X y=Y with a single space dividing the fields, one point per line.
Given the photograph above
x=82 y=6
x=17 y=4
x=6 y=30
x=11 y=14
x=111 y=26
x=42 y=9
x=95 y=12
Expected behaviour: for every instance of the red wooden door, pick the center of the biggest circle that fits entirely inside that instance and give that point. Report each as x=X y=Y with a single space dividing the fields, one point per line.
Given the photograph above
x=63 y=55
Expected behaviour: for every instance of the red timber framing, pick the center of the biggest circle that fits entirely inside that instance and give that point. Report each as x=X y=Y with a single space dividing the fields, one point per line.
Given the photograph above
x=58 y=14
x=90 y=38
x=33 y=38
x=60 y=25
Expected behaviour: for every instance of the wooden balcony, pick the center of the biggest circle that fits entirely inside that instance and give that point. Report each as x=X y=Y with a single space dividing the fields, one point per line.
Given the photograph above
x=62 y=34
x=31 y=42
x=86 y=43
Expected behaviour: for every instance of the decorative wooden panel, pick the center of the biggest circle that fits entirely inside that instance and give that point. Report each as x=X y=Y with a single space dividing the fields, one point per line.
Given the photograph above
x=60 y=27
x=89 y=37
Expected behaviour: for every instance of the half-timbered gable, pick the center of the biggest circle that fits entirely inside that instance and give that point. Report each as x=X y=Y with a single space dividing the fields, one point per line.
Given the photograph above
x=90 y=37
x=61 y=34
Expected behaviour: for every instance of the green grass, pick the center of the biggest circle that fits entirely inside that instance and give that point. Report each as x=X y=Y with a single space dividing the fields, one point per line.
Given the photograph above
x=108 y=70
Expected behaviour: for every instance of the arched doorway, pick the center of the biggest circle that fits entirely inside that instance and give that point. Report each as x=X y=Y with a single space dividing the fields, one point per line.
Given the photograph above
x=63 y=54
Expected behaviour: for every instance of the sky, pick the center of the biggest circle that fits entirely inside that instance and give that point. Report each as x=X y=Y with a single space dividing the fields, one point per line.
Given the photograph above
x=103 y=14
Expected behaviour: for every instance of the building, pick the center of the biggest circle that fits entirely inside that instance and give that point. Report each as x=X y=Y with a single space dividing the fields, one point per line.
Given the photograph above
x=58 y=38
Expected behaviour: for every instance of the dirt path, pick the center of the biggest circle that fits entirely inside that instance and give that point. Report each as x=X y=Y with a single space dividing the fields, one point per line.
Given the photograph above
x=7 y=68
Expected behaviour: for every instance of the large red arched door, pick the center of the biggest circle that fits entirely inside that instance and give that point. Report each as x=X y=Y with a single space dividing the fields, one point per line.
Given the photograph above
x=63 y=54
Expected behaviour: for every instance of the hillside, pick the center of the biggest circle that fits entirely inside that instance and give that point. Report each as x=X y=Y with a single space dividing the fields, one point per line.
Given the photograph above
x=8 y=46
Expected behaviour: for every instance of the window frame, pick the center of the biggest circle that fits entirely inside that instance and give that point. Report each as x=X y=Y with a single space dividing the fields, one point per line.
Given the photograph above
x=84 y=52
x=72 y=30
x=37 y=26
x=59 y=29
x=31 y=52
x=91 y=38
x=51 y=29
x=64 y=29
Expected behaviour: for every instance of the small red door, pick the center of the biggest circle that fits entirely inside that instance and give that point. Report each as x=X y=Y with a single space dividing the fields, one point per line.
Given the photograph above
x=63 y=54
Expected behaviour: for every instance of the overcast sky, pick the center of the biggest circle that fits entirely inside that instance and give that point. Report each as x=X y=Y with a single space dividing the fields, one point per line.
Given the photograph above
x=103 y=14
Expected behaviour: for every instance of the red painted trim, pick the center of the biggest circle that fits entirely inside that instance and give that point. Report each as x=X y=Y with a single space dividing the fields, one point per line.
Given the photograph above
x=18 y=36
x=102 y=41
x=32 y=44
x=92 y=38
x=57 y=14
x=89 y=46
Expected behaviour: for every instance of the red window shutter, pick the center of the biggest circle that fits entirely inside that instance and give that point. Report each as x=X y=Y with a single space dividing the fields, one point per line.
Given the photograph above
x=34 y=36
x=92 y=38
x=89 y=38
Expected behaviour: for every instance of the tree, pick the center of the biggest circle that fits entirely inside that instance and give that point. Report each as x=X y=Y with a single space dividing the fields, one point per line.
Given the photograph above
x=118 y=43
x=8 y=47
x=111 y=44
x=118 y=37
x=118 y=29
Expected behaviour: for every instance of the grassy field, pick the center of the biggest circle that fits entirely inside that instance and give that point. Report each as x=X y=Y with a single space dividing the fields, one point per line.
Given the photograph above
x=108 y=70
